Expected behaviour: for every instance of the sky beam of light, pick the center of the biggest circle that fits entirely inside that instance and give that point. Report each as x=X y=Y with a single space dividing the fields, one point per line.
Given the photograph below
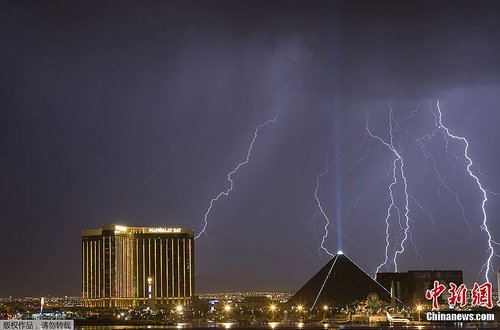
x=325 y=216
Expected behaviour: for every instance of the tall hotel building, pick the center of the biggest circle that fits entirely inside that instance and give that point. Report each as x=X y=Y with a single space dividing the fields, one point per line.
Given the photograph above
x=133 y=266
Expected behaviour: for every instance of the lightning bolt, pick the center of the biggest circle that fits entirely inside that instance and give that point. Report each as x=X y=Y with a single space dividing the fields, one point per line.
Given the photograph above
x=420 y=142
x=231 y=182
x=490 y=251
x=367 y=191
x=318 y=202
x=397 y=169
x=429 y=214
x=325 y=216
x=442 y=179
x=397 y=166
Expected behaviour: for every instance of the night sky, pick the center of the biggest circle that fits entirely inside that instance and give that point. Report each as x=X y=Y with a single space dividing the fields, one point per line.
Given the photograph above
x=134 y=113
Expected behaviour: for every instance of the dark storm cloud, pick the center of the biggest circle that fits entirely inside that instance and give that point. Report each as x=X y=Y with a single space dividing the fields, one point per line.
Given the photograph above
x=136 y=113
x=415 y=48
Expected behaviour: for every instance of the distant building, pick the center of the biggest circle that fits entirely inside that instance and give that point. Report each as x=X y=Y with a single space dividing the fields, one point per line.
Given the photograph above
x=410 y=286
x=498 y=287
x=339 y=283
x=133 y=266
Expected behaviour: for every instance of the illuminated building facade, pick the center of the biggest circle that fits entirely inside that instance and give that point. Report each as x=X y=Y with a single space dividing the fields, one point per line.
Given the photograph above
x=134 y=266
x=410 y=286
x=498 y=286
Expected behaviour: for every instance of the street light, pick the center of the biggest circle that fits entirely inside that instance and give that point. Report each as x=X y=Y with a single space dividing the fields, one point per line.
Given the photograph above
x=325 y=310
x=227 y=309
x=419 y=308
x=272 y=307
x=300 y=308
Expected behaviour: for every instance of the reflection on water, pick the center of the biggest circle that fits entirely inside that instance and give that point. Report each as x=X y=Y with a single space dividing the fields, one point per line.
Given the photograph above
x=274 y=326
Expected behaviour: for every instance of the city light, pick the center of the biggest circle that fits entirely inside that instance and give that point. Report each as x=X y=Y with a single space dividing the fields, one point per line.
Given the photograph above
x=419 y=308
x=98 y=255
x=257 y=125
x=120 y=228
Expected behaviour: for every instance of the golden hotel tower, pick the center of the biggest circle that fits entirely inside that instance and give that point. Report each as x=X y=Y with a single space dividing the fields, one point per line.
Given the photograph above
x=132 y=266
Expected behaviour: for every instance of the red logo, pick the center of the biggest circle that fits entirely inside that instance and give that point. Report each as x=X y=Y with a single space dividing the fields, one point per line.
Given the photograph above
x=458 y=295
x=480 y=294
x=435 y=293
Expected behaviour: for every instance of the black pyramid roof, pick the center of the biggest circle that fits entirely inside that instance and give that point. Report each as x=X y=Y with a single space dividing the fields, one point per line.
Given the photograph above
x=340 y=282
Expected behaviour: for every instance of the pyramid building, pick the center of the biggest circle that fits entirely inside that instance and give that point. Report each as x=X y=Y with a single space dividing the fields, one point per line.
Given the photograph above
x=339 y=283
